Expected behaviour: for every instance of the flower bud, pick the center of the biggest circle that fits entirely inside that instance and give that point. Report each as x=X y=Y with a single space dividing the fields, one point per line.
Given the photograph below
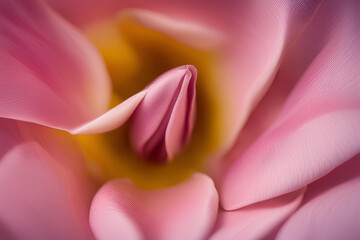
x=163 y=122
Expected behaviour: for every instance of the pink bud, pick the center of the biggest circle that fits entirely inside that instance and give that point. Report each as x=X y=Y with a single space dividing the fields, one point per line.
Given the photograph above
x=163 y=122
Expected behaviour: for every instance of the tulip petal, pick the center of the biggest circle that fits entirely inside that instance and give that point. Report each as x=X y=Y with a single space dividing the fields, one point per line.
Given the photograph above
x=257 y=221
x=50 y=74
x=185 y=211
x=45 y=193
x=317 y=129
x=331 y=209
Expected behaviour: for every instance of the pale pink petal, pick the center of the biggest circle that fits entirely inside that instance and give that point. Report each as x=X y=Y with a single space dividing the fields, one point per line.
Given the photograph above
x=317 y=129
x=44 y=189
x=185 y=211
x=331 y=209
x=192 y=34
x=50 y=74
x=256 y=221
x=113 y=118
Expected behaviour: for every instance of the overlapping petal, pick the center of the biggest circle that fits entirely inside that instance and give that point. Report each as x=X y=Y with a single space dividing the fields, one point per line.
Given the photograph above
x=50 y=74
x=317 y=129
x=45 y=192
x=257 y=221
x=331 y=209
x=184 y=211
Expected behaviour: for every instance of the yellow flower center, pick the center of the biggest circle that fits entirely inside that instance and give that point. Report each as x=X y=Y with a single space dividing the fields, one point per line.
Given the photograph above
x=135 y=56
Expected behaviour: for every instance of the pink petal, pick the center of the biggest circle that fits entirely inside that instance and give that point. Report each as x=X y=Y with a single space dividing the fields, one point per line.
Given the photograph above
x=258 y=35
x=50 y=74
x=257 y=221
x=163 y=122
x=44 y=189
x=331 y=209
x=185 y=211
x=113 y=118
x=293 y=65
x=317 y=129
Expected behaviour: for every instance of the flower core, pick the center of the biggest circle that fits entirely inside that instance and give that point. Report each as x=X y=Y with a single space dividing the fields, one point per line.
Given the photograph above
x=136 y=55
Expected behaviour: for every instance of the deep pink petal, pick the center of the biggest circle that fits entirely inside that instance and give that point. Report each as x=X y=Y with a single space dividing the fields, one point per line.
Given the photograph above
x=257 y=221
x=163 y=122
x=331 y=209
x=45 y=192
x=185 y=211
x=317 y=129
x=50 y=74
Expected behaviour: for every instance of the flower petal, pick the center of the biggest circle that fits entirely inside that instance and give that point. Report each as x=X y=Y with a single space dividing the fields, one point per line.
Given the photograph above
x=185 y=211
x=163 y=122
x=317 y=129
x=331 y=209
x=113 y=118
x=189 y=33
x=50 y=74
x=45 y=193
x=257 y=221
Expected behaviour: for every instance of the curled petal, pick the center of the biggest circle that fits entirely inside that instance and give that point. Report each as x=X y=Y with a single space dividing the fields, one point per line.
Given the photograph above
x=185 y=211
x=163 y=122
x=45 y=192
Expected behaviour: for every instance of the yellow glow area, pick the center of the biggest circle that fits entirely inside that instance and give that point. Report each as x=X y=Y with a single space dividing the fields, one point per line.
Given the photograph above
x=135 y=56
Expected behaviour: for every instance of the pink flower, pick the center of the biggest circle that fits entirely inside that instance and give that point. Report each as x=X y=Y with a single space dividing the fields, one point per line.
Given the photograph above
x=179 y=120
